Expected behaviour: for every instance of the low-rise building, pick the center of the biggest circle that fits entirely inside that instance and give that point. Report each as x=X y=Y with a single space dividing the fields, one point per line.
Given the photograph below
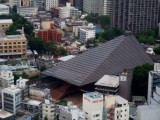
x=117 y=108
x=13 y=46
x=5 y=23
x=108 y=85
x=4 y=115
x=93 y=105
x=27 y=11
x=4 y=9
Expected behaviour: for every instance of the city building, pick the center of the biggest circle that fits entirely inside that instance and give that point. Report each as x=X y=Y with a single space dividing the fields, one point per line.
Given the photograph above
x=71 y=113
x=5 y=23
x=47 y=24
x=4 y=115
x=13 y=46
x=68 y=11
x=27 y=11
x=135 y=15
x=11 y=99
x=49 y=4
x=25 y=3
x=48 y=110
x=108 y=85
x=79 y=4
x=4 y=9
x=86 y=34
x=116 y=108
x=148 y=112
x=6 y=79
x=93 y=105
x=91 y=6
x=105 y=7
x=11 y=3
x=53 y=35
x=37 y=3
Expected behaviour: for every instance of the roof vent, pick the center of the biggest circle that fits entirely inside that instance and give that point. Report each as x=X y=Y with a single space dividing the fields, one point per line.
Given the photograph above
x=128 y=33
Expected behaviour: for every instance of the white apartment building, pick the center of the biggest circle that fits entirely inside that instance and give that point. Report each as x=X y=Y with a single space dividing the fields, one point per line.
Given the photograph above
x=105 y=7
x=51 y=4
x=14 y=2
x=68 y=11
x=48 y=110
x=71 y=113
x=87 y=33
x=148 y=112
x=91 y=6
x=27 y=11
x=11 y=99
x=93 y=105
x=6 y=79
x=4 y=9
x=117 y=108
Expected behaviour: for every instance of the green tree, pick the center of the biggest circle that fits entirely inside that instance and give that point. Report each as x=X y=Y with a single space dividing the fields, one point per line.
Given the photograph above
x=45 y=118
x=43 y=68
x=50 y=47
x=140 y=80
x=61 y=51
x=157 y=50
x=14 y=9
x=24 y=75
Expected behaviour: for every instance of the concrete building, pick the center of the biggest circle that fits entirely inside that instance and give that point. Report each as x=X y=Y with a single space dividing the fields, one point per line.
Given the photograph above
x=71 y=113
x=37 y=3
x=14 y=2
x=5 y=23
x=87 y=33
x=49 y=4
x=105 y=7
x=6 y=79
x=27 y=11
x=25 y=3
x=91 y=6
x=117 y=108
x=4 y=115
x=93 y=105
x=48 y=110
x=148 y=112
x=108 y=85
x=135 y=15
x=4 y=9
x=47 y=24
x=68 y=11
x=12 y=46
x=11 y=99
x=79 y=4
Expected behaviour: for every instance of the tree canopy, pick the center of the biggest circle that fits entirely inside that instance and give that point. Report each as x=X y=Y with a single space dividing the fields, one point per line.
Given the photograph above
x=140 y=80
x=157 y=50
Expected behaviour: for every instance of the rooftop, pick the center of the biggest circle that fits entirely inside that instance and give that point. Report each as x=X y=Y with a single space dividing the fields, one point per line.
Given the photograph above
x=145 y=107
x=12 y=89
x=110 y=58
x=94 y=95
x=66 y=58
x=109 y=81
x=34 y=102
x=6 y=20
x=12 y=37
x=120 y=99
x=4 y=114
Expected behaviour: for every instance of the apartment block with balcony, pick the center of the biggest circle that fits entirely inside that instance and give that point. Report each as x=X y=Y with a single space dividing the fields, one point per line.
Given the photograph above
x=13 y=46
x=5 y=23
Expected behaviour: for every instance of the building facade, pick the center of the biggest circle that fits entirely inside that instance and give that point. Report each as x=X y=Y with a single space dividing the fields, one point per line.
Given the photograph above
x=25 y=3
x=93 y=105
x=13 y=46
x=49 y=4
x=4 y=9
x=105 y=7
x=27 y=11
x=135 y=15
x=5 y=23
x=91 y=6
x=14 y=2
x=11 y=99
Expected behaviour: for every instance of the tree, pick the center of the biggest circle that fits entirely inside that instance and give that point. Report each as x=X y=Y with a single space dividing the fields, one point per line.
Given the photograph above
x=24 y=75
x=61 y=51
x=43 y=68
x=36 y=117
x=50 y=47
x=45 y=118
x=157 y=50
x=14 y=9
x=140 y=80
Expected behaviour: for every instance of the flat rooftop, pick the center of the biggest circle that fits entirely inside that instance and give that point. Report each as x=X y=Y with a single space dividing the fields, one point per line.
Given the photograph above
x=108 y=81
x=12 y=89
x=65 y=58
x=12 y=37
x=34 y=102
x=93 y=95
x=6 y=20
x=120 y=99
x=4 y=114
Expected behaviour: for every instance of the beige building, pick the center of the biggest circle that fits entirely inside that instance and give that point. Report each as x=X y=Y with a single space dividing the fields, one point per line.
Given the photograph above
x=5 y=23
x=25 y=3
x=13 y=46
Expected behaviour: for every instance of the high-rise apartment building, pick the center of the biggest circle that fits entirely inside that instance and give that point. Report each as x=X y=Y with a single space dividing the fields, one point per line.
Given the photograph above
x=14 y=2
x=90 y=6
x=48 y=4
x=135 y=15
x=105 y=7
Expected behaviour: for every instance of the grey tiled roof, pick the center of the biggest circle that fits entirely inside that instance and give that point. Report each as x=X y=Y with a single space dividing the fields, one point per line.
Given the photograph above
x=123 y=52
